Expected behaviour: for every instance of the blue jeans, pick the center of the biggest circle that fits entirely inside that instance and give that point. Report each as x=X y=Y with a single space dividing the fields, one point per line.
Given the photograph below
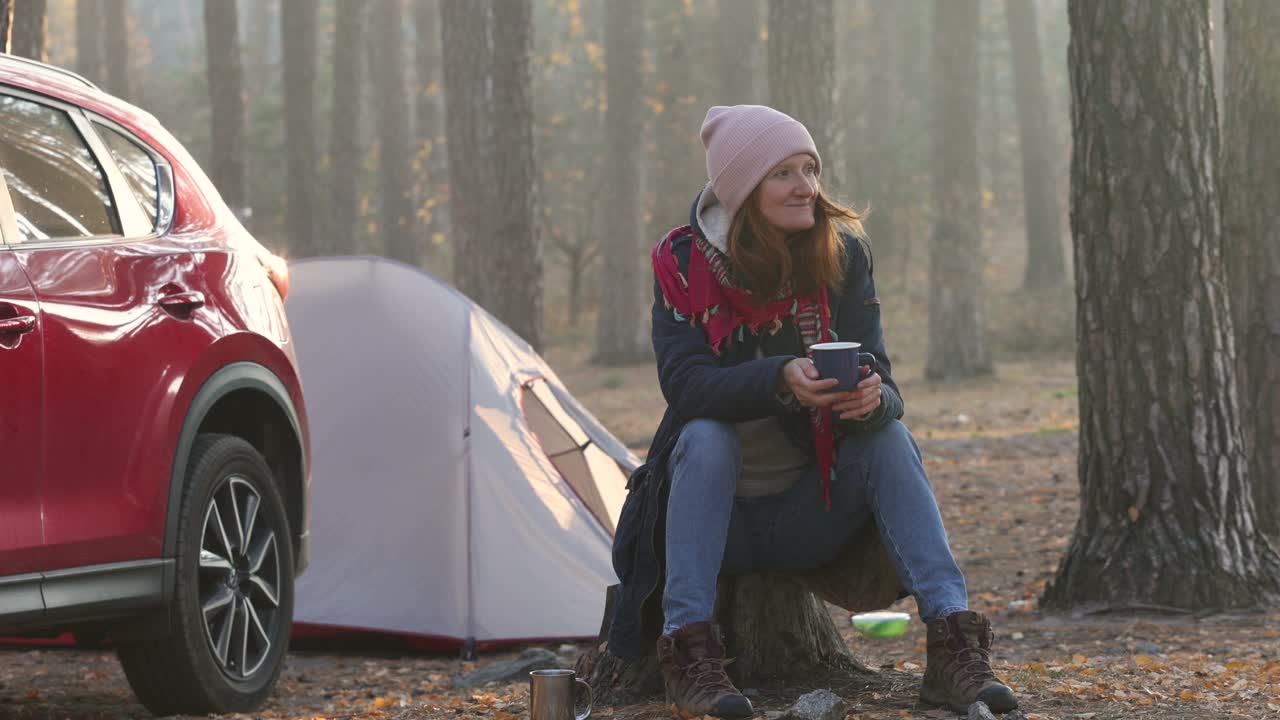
x=879 y=475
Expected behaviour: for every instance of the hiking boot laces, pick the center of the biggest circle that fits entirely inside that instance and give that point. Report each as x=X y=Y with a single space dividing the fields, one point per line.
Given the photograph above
x=975 y=666
x=709 y=674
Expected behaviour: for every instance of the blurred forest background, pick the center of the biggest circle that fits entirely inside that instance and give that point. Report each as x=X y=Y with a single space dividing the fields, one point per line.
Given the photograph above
x=333 y=124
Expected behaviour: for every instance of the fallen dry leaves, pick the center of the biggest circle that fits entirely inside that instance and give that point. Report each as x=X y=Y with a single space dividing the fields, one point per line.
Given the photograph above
x=1010 y=463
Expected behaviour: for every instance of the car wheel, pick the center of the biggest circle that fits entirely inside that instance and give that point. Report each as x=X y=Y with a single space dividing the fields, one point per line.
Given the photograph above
x=232 y=609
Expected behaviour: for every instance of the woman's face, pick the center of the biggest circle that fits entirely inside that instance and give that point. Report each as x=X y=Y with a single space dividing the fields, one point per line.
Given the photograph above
x=788 y=192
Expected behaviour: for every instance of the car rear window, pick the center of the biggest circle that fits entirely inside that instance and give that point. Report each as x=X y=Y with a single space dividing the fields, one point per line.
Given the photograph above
x=138 y=167
x=57 y=187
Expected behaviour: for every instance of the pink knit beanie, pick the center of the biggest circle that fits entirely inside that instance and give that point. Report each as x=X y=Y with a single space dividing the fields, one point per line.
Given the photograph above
x=743 y=143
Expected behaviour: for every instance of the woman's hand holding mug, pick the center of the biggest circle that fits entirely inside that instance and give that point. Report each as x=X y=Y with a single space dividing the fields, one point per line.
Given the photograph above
x=802 y=379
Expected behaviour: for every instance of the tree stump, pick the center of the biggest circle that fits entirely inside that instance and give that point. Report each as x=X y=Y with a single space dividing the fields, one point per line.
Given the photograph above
x=776 y=627
x=777 y=631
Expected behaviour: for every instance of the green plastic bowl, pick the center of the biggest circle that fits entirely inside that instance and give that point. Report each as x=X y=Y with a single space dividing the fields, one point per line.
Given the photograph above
x=881 y=624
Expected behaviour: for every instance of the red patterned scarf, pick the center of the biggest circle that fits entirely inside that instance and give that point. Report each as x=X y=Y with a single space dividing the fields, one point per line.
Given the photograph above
x=707 y=296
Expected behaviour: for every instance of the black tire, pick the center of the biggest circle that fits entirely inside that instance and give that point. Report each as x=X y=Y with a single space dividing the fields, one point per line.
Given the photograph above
x=197 y=669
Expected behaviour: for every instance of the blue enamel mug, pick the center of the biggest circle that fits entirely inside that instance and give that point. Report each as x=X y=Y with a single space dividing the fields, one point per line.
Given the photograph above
x=842 y=361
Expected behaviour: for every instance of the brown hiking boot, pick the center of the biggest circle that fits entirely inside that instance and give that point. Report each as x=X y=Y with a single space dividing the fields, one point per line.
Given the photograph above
x=692 y=663
x=959 y=671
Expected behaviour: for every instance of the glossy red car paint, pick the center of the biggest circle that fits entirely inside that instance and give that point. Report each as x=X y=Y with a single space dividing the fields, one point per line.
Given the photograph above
x=127 y=331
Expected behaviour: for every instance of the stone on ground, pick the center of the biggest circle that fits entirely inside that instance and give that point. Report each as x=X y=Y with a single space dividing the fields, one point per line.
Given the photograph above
x=817 y=705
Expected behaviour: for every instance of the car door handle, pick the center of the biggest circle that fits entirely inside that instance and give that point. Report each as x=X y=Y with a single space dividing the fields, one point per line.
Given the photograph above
x=182 y=301
x=18 y=325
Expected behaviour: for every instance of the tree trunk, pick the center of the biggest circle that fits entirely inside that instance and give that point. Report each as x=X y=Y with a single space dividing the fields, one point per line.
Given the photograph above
x=262 y=148
x=89 y=61
x=577 y=262
x=298 y=38
x=1046 y=265
x=911 y=201
x=30 y=30
x=957 y=335
x=226 y=96
x=1167 y=516
x=855 y=75
x=429 y=121
x=517 y=270
x=778 y=630
x=1217 y=49
x=395 y=186
x=677 y=159
x=740 y=51
x=464 y=35
x=802 y=74
x=429 y=113
x=6 y=25
x=1251 y=237
x=624 y=267
x=259 y=34
x=115 y=43
x=878 y=182
x=344 y=144
x=993 y=156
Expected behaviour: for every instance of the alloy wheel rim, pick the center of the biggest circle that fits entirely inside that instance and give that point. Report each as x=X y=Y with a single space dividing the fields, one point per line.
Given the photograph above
x=239 y=579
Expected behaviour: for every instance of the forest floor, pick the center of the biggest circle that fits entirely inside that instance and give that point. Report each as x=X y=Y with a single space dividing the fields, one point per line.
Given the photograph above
x=1001 y=453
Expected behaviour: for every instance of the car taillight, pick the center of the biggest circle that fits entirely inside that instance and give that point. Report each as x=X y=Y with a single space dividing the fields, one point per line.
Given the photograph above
x=278 y=271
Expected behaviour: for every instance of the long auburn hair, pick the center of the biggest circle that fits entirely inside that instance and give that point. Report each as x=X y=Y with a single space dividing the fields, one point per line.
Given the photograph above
x=765 y=261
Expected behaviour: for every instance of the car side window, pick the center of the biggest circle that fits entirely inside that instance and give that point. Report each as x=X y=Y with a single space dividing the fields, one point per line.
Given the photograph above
x=58 y=189
x=137 y=166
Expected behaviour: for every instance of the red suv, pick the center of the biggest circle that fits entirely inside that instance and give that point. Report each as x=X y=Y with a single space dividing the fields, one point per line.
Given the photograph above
x=154 y=486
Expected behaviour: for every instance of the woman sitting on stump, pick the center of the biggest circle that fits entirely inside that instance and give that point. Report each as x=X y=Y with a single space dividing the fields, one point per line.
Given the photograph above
x=758 y=465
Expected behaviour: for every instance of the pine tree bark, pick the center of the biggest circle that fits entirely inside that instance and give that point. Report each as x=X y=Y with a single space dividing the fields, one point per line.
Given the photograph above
x=1046 y=264
x=89 y=59
x=518 y=268
x=1251 y=237
x=395 y=216
x=30 y=30
x=1167 y=516
x=1217 y=48
x=957 y=336
x=344 y=144
x=115 y=45
x=226 y=96
x=624 y=272
x=802 y=75
x=298 y=39
x=465 y=37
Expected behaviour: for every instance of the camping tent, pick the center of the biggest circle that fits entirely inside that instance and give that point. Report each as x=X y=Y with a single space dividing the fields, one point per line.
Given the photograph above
x=459 y=492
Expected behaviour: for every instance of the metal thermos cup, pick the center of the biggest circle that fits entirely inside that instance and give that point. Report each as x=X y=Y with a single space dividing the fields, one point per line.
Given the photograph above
x=553 y=695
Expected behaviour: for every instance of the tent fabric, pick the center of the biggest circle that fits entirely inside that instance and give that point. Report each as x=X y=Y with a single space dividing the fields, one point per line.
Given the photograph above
x=459 y=492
